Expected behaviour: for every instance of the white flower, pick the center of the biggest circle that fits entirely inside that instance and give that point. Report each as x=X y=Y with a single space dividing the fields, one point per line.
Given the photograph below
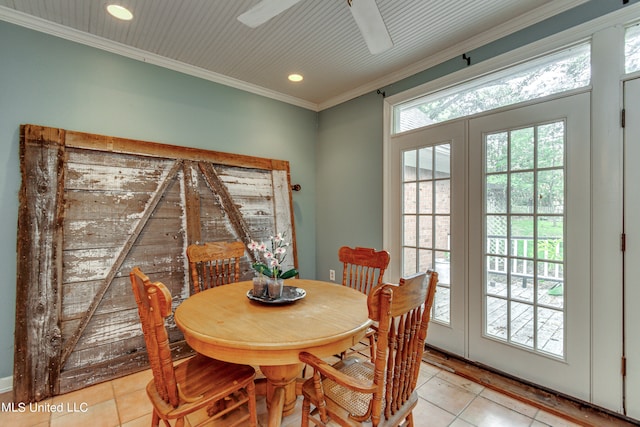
x=273 y=254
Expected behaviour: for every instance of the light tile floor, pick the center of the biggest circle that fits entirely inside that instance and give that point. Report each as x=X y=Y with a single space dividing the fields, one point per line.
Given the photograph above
x=445 y=400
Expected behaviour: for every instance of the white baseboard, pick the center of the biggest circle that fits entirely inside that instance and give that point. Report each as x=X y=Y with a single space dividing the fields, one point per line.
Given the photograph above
x=6 y=384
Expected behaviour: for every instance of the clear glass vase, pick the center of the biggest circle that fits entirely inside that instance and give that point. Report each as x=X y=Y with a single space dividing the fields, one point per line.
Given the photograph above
x=274 y=287
x=259 y=285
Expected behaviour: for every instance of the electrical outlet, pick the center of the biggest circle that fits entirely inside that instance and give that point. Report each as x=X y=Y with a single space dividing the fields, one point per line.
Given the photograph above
x=332 y=275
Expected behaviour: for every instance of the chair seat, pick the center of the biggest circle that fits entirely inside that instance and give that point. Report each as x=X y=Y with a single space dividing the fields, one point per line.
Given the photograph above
x=353 y=402
x=202 y=380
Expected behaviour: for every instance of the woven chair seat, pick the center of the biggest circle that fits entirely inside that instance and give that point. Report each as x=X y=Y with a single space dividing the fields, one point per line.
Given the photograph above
x=354 y=402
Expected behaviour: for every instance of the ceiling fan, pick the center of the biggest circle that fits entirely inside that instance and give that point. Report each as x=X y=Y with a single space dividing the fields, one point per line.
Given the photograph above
x=365 y=13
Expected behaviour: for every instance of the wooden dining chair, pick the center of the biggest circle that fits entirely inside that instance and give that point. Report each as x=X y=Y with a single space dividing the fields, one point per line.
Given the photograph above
x=214 y=263
x=354 y=392
x=199 y=382
x=362 y=269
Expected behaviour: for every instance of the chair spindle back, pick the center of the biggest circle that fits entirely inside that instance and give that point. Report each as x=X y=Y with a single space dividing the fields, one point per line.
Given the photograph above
x=214 y=264
x=403 y=313
x=362 y=268
x=154 y=305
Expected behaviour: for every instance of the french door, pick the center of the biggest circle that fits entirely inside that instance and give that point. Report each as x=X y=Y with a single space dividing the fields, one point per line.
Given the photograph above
x=429 y=169
x=499 y=205
x=529 y=245
x=632 y=252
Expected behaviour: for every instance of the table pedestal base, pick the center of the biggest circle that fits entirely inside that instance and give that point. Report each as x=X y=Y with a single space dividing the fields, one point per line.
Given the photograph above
x=282 y=377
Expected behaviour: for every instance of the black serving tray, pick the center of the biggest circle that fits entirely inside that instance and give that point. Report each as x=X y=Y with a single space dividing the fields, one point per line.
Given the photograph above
x=289 y=295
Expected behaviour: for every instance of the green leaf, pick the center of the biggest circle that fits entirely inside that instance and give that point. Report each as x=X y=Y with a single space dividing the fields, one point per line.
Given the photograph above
x=262 y=269
x=289 y=274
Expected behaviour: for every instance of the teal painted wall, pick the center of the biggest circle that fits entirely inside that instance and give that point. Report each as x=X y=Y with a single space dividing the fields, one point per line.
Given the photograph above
x=48 y=81
x=349 y=160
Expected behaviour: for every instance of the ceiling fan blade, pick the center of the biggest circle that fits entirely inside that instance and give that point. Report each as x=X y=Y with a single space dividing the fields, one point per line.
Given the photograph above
x=374 y=31
x=265 y=10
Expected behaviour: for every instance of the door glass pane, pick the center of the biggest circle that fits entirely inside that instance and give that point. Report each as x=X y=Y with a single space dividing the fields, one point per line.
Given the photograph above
x=409 y=166
x=496 y=193
x=426 y=197
x=426 y=163
x=521 y=149
x=496 y=317
x=497 y=234
x=524 y=244
x=409 y=197
x=550 y=146
x=426 y=231
x=497 y=155
x=521 y=324
x=427 y=219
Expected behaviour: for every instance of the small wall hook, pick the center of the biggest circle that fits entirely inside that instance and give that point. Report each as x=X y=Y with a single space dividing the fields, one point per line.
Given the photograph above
x=466 y=58
x=296 y=187
x=380 y=92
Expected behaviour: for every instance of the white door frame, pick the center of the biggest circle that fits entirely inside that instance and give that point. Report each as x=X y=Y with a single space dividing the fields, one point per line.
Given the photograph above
x=632 y=253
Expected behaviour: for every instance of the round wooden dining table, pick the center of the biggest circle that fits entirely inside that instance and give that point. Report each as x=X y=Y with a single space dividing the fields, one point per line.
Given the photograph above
x=223 y=323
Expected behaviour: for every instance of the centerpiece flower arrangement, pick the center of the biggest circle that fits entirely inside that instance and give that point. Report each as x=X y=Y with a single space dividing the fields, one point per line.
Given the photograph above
x=273 y=254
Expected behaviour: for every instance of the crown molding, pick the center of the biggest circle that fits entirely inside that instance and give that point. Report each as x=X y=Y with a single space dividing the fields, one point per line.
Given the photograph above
x=34 y=23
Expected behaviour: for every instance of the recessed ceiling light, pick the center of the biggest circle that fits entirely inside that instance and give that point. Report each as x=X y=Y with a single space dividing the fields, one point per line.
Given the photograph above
x=120 y=12
x=295 y=77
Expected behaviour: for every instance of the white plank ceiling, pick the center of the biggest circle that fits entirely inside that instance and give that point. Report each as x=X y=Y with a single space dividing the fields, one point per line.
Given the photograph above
x=318 y=39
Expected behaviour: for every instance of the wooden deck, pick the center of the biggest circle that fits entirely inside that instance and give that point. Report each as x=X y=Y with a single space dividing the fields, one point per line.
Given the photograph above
x=549 y=326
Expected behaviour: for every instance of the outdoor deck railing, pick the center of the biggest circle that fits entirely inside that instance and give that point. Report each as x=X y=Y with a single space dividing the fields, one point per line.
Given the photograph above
x=522 y=263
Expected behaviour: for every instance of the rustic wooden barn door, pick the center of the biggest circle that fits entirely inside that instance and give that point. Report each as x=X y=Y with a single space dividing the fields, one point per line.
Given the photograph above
x=93 y=207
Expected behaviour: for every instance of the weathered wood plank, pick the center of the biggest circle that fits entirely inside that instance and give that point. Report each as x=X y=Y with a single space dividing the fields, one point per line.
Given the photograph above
x=106 y=178
x=125 y=364
x=76 y=297
x=37 y=333
x=85 y=205
x=97 y=352
x=103 y=328
x=246 y=183
x=95 y=355
x=115 y=160
x=94 y=234
x=123 y=145
x=108 y=337
x=81 y=268
x=81 y=204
